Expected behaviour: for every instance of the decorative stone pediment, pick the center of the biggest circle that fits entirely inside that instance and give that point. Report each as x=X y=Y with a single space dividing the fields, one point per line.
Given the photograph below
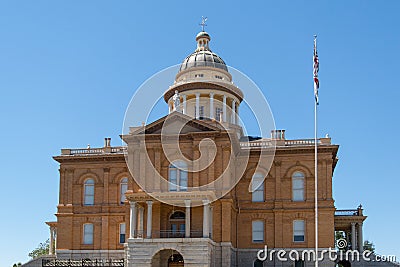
x=177 y=122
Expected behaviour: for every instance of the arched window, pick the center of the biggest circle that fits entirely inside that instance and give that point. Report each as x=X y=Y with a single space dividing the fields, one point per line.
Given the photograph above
x=122 y=189
x=257 y=187
x=177 y=215
x=298 y=186
x=258 y=263
x=88 y=191
x=178 y=176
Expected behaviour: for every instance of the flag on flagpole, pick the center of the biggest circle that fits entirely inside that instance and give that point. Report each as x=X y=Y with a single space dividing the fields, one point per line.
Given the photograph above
x=315 y=70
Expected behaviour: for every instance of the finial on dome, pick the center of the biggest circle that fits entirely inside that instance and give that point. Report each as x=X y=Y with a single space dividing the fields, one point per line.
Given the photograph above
x=203 y=23
x=202 y=37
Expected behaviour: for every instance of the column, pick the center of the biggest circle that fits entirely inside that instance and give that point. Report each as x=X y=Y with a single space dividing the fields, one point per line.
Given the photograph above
x=211 y=221
x=233 y=111
x=212 y=106
x=140 y=228
x=197 y=105
x=132 y=219
x=237 y=114
x=51 y=246
x=187 y=218
x=206 y=231
x=353 y=236
x=184 y=104
x=169 y=106
x=224 y=108
x=55 y=239
x=360 y=238
x=149 y=218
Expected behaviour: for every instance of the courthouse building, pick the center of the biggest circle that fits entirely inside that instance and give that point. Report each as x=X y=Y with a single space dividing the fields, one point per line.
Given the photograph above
x=142 y=204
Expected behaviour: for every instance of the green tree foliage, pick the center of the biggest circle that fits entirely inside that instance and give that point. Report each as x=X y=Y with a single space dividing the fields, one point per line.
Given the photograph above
x=368 y=245
x=42 y=249
x=17 y=264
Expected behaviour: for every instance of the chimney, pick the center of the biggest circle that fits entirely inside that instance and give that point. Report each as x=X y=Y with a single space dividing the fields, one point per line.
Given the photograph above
x=107 y=142
x=278 y=134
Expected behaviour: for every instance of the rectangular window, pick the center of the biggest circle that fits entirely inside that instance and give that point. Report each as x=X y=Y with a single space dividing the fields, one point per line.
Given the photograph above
x=298 y=186
x=182 y=228
x=299 y=263
x=201 y=112
x=88 y=193
x=257 y=185
x=298 y=230
x=218 y=77
x=122 y=233
x=183 y=180
x=88 y=234
x=199 y=75
x=173 y=179
x=218 y=114
x=124 y=188
x=258 y=231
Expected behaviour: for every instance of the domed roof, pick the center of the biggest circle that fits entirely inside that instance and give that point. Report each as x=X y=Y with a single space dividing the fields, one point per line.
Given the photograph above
x=203 y=56
x=202 y=34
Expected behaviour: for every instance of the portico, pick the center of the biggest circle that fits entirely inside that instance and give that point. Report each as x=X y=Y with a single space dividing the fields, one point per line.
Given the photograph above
x=351 y=223
x=141 y=203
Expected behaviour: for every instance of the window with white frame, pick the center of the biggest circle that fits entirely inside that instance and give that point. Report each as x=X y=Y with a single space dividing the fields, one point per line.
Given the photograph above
x=123 y=187
x=258 y=231
x=218 y=114
x=122 y=229
x=201 y=112
x=88 y=234
x=178 y=176
x=257 y=186
x=88 y=192
x=298 y=186
x=298 y=230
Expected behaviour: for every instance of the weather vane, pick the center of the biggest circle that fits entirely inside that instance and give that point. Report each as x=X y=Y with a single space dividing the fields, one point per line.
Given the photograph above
x=203 y=22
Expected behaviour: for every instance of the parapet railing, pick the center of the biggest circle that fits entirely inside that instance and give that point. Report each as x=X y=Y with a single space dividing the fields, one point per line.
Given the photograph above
x=83 y=263
x=94 y=151
x=263 y=143
x=351 y=212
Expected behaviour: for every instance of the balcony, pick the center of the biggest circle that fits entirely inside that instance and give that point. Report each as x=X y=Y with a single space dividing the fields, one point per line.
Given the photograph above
x=170 y=234
x=352 y=212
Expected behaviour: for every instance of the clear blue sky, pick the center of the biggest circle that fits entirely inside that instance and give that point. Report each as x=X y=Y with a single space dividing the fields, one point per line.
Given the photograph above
x=69 y=68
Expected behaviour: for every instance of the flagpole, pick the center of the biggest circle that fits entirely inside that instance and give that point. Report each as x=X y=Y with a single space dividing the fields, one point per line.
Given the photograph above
x=316 y=153
x=316 y=181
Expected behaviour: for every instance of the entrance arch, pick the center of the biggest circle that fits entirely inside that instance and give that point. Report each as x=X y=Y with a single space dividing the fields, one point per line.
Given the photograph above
x=167 y=258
